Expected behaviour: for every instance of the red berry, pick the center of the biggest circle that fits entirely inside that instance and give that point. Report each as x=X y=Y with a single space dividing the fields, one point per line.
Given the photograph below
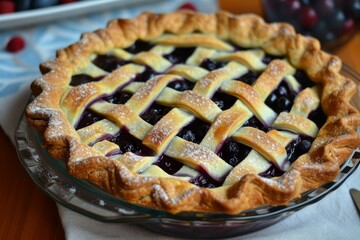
x=15 y=44
x=307 y=17
x=7 y=7
x=324 y=7
x=288 y=8
x=188 y=6
x=349 y=26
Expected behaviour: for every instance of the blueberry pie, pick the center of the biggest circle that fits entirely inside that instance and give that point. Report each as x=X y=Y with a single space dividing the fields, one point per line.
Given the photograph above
x=197 y=112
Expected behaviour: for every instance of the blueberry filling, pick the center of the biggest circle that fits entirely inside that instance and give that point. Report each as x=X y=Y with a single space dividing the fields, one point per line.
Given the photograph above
x=294 y=150
x=303 y=79
x=223 y=101
x=268 y=58
x=139 y=46
x=108 y=62
x=271 y=172
x=195 y=131
x=123 y=139
x=79 y=79
x=168 y=164
x=181 y=85
x=281 y=99
x=233 y=152
x=119 y=97
x=204 y=180
x=155 y=113
x=129 y=143
x=318 y=117
x=180 y=55
x=211 y=65
x=249 y=77
x=87 y=118
x=256 y=123
x=298 y=147
x=147 y=74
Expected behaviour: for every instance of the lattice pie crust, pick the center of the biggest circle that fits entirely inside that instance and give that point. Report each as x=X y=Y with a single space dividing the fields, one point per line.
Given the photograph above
x=240 y=43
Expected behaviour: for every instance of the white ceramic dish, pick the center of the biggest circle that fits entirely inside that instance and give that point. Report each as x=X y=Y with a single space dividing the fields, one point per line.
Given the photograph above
x=43 y=15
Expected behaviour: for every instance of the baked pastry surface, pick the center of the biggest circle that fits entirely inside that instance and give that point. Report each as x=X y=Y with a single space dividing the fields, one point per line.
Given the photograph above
x=197 y=112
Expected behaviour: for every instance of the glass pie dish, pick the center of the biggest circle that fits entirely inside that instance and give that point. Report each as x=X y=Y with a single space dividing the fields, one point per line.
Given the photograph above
x=52 y=177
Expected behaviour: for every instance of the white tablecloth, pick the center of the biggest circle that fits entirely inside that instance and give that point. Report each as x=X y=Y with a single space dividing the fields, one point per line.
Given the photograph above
x=334 y=217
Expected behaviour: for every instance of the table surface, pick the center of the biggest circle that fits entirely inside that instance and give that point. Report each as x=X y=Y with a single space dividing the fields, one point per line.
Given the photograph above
x=26 y=212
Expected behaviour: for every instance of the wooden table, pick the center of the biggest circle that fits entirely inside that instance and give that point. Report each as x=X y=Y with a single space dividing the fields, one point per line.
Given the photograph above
x=27 y=213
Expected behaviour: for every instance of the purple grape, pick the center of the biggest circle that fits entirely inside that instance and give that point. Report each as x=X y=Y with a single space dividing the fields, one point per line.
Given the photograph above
x=336 y=21
x=288 y=8
x=349 y=26
x=324 y=7
x=353 y=9
x=320 y=30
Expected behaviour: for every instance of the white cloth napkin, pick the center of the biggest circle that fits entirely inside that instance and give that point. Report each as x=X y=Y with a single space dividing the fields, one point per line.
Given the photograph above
x=334 y=217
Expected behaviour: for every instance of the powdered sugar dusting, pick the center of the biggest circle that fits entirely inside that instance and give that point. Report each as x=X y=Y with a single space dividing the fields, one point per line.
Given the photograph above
x=201 y=105
x=159 y=192
x=198 y=156
x=82 y=92
x=146 y=89
x=273 y=183
x=162 y=129
x=275 y=69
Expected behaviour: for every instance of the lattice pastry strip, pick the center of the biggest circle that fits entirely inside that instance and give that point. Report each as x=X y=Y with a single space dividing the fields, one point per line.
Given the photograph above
x=149 y=91
x=296 y=120
x=264 y=144
x=189 y=40
x=106 y=147
x=93 y=70
x=296 y=123
x=135 y=162
x=306 y=101
x=225 y=124
x=198 y=157
x=98 y=130
x=192 y=73
x=160 y=135
x=209 y=84
x=154 y=170
x=199 y=55
x=249 y=58
x=251 y=98
x=123 y=117
x=271 y=77
x=190 y=101
x=255 y=162
x=156 y=62
x=77 y=98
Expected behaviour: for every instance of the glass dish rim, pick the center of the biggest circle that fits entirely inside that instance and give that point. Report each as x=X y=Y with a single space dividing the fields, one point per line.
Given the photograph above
x=135 y=213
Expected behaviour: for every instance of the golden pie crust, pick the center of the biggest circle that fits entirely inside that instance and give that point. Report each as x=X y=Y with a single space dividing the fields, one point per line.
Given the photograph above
x=57 y=106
